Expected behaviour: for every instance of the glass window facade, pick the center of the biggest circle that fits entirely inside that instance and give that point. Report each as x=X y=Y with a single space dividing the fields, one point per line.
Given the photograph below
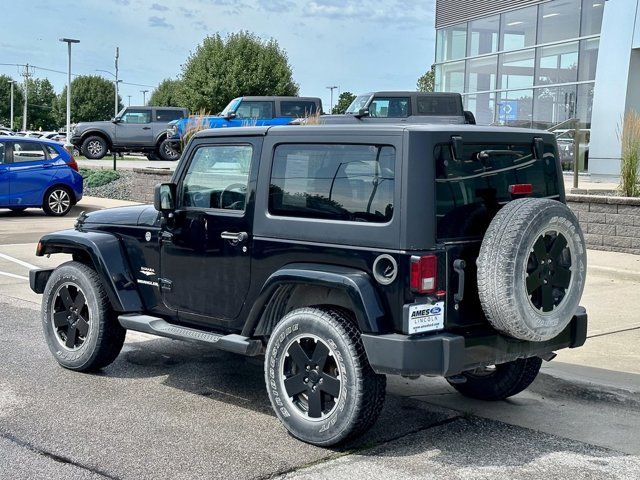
x=533 y=66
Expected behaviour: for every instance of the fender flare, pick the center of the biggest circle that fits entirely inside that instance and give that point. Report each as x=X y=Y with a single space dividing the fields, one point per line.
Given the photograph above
x=98 y=132
x=108 y=258
x=357 y=284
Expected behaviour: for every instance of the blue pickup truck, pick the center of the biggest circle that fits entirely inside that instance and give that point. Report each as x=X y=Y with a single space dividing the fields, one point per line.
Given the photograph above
x=247 y=111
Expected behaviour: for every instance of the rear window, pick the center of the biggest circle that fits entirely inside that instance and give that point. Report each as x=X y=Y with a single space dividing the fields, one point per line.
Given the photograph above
x=336 y=182
x=471 y=190
x=298 y=109
x=438 y=105
x=168 y=115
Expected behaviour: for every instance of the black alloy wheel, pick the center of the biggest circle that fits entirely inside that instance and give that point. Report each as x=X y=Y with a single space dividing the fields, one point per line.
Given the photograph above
x=70 y=316
x=311 y=377
x=548 y=271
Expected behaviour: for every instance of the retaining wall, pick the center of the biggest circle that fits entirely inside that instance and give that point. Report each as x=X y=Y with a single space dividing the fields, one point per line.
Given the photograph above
x=144 y=182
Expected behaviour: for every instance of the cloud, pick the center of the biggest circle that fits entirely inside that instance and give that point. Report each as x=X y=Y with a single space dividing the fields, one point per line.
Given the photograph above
x=122 y=2
x=159 y=22
x=158 y=7
x=391 y=13
x=276 y=5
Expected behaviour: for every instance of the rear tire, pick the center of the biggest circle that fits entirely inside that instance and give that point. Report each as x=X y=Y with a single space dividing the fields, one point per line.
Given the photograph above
x=81 y=328
x=94 y=147
x=502 y=382
x=318 y=378
x=57 y=201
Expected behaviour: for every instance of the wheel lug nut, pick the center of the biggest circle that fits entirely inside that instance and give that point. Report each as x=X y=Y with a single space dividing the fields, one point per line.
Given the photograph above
x=306 y=380
x=320 y=381
x=308 y=368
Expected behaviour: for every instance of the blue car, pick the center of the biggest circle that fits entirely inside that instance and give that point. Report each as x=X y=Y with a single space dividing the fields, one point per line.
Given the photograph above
x=38 y=173
x=248 y=112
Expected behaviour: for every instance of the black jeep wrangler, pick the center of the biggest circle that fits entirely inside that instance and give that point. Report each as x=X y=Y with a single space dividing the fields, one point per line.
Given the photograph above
x=341 y=253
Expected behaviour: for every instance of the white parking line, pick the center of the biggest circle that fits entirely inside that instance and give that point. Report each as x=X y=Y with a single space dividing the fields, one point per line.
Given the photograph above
x=13 y=275
x=18 y=261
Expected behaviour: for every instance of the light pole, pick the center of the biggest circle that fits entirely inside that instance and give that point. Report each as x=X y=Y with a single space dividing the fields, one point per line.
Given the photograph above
x=68 y=145
x=115 y=82
x=332 y=88
x=144 y=96
x=12 y=82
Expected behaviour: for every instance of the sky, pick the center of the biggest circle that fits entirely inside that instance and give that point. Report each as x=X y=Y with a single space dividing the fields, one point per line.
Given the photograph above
x=358 y=46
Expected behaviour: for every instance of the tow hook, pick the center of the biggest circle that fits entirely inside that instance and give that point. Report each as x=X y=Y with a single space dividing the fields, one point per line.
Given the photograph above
x=458 y=266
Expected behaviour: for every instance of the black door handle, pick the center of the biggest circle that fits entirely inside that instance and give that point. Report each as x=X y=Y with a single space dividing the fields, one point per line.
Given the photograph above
x=146 y=128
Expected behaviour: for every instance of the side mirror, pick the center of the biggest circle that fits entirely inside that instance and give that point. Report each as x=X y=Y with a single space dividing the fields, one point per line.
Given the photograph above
x=230 y=116
x=363 y=112
x=164 y=197
x=116 y=119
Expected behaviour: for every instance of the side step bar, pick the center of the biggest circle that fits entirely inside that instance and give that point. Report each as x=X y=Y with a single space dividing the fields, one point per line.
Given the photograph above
x=157 y=326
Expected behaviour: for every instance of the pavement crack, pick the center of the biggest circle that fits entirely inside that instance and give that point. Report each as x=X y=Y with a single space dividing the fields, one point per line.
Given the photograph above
x=55 y=457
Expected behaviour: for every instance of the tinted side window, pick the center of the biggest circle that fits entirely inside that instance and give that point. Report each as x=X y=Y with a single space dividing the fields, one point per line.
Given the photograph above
x=168 y=115
x=438 y=105
x=218 y=177
x=471 y=190
x=337 y=182
x=393 y=107
x=298 y=109
x=249 y=109
x=27 y=152
x=2 y=153
x=136 y=116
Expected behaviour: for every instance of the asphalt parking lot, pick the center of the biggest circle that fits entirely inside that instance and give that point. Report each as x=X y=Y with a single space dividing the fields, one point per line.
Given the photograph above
x=167 y=409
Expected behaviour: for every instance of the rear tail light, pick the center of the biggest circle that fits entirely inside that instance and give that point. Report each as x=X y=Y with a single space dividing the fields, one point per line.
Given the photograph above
x=424 y=272
x=73 y=164
x=521 y=189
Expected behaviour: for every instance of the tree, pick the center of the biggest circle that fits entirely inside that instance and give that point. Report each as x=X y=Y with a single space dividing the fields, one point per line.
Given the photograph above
x=92 y=99
x=426 y=83
x=5 y=102
x=41 y=105
x=344 y=100
x=166 y=94
x=221 y=69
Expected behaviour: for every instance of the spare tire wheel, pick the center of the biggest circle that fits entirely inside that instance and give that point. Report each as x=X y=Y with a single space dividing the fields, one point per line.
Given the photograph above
x=531 y=269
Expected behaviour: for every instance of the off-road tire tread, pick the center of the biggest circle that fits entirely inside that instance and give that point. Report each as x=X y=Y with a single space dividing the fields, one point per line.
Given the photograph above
x=85 y=143
x=496 y=263
x=508 y=380
x=371 y=387
x=111 y=334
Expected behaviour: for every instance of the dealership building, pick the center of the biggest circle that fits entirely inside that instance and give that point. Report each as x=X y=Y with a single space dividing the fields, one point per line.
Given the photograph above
x=540 y=63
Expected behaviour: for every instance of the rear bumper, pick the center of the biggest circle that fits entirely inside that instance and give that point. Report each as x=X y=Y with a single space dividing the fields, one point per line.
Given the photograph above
x=446 y=354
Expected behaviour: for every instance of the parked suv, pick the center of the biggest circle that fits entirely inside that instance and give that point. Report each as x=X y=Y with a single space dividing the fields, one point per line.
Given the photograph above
x=404 y=107
x=247 y=112
x=134 y=129
x=342 y=254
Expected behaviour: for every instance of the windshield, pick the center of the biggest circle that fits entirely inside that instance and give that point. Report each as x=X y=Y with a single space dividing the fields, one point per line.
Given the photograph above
x=358 y=103
x=121 y=113
x=233 y=104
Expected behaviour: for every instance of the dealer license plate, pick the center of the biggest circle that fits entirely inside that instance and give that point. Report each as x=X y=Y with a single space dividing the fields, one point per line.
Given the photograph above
x=426 y=317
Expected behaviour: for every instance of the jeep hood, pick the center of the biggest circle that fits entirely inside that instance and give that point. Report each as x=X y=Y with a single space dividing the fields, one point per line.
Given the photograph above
x=143 y=215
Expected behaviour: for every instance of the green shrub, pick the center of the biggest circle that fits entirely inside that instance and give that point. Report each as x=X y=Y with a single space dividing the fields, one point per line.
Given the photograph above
x=630 y=158
x=98 y=178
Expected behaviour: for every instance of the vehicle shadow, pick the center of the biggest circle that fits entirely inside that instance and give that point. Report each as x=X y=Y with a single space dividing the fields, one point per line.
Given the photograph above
x=239 y=381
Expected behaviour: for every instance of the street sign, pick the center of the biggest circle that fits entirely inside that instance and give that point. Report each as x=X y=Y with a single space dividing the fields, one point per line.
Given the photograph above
x=508 y=110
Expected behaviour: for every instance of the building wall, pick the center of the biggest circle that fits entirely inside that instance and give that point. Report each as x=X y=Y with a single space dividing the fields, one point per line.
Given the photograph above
x=617 y=84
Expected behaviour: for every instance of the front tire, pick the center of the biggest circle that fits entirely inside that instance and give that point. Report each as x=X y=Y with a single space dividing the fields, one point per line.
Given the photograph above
x=94 y=147
x=167 y=151
x=80 y=327
x=318 y=378
x=57 y=201
x=500 y=381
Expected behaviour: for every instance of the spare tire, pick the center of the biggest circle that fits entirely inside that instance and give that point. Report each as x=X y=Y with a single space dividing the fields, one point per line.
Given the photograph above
x=531 y=269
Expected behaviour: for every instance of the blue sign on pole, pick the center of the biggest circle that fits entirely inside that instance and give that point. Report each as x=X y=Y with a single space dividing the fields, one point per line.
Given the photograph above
x=508 y=110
